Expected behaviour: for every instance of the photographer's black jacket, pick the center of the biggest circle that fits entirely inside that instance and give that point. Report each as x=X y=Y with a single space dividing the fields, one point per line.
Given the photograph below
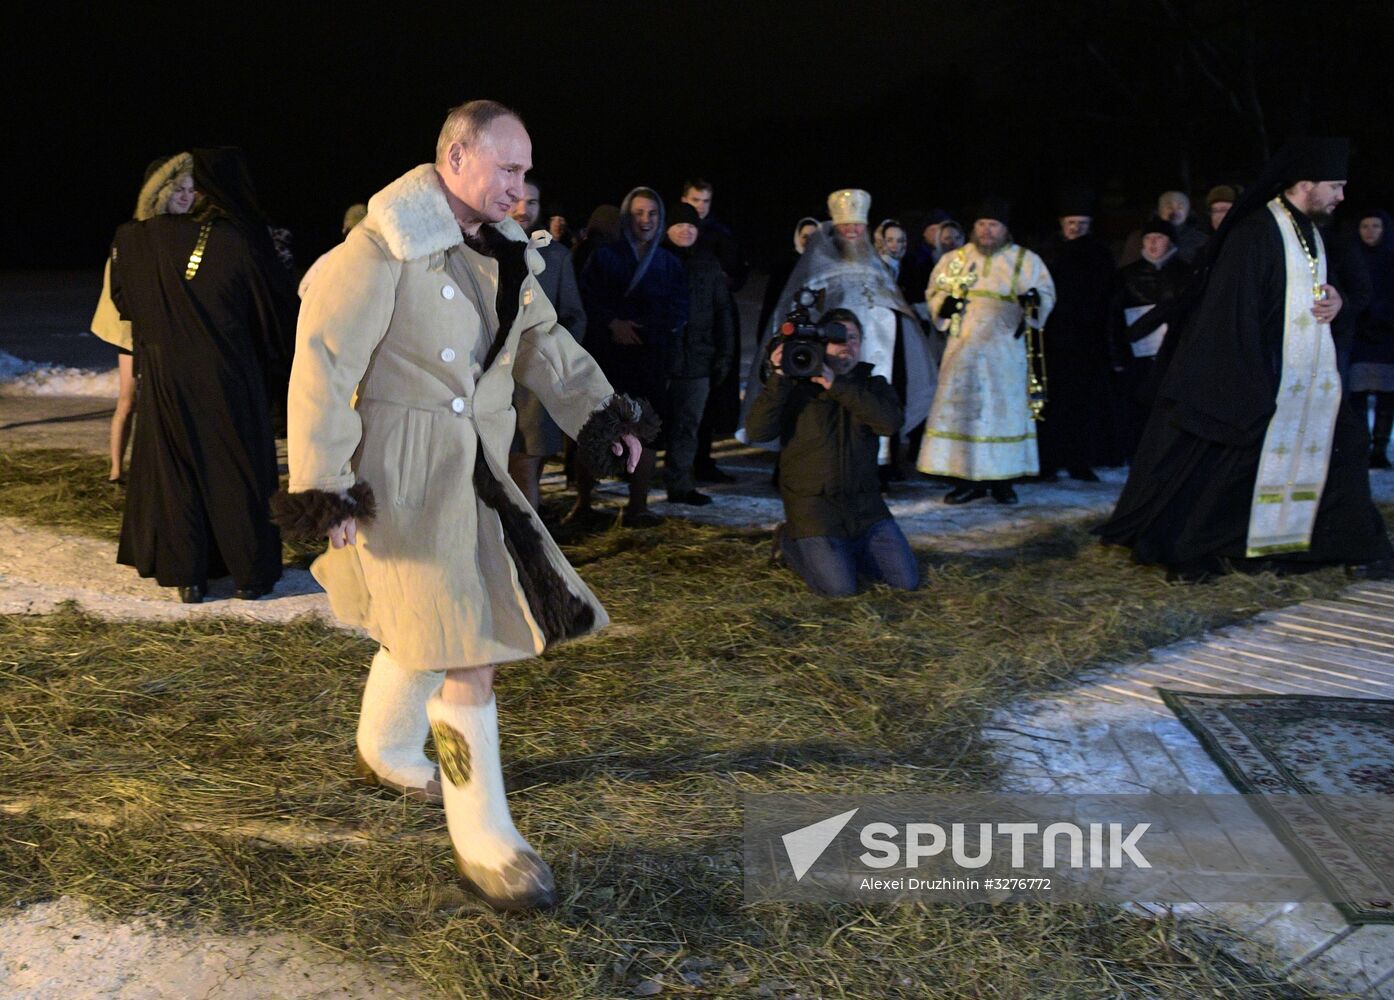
x=827 y=466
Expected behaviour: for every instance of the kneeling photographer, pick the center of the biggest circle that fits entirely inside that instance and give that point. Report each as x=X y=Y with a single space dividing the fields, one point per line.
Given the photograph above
x=827 y=409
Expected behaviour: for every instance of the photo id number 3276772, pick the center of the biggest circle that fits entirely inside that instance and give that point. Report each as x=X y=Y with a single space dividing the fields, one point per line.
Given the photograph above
x=1017 y=884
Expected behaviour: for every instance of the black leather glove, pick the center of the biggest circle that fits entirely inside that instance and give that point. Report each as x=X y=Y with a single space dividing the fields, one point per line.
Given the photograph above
x=1029 y=298
x=949 y=306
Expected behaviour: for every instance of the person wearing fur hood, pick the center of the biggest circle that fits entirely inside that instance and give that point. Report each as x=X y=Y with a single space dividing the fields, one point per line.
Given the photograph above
x=409 y=345
x=168 y=188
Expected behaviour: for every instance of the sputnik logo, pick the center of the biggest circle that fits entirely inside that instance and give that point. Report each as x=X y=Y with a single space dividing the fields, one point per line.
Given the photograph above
x=807 y=844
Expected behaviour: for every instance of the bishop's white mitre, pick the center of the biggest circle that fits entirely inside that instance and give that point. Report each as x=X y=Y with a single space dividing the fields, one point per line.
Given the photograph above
x=849 y=205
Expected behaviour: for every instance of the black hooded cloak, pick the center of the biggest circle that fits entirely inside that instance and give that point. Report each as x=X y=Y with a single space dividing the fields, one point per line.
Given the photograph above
x=213 y=331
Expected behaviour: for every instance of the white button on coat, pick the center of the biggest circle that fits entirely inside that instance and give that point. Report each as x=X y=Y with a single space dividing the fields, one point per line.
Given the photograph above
x=448 y=292
x=458 y=404
x=447 y=354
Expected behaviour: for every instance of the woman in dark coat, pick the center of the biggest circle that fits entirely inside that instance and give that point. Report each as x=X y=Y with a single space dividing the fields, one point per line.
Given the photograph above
x=1372 y=357
x=209 y=307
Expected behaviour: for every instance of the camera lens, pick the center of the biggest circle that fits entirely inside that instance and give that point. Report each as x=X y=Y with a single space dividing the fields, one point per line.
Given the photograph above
x=802 y=360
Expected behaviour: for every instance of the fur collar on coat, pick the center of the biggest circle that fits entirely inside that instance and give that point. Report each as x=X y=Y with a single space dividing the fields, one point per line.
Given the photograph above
x=414 y=220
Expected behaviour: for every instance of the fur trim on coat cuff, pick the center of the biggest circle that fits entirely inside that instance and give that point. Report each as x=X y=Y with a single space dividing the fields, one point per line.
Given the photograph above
x=619 y=415
x=312 y=513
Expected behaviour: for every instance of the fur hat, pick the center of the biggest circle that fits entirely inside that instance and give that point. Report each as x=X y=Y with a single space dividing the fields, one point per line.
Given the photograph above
x=849 y=205
x=1221 y=192
x=159 y=184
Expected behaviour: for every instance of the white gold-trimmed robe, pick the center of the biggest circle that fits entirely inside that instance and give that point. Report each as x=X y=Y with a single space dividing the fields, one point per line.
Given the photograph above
x=980 y=425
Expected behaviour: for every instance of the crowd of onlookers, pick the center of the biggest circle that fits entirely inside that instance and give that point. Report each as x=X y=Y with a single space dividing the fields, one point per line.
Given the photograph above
x=647 y=286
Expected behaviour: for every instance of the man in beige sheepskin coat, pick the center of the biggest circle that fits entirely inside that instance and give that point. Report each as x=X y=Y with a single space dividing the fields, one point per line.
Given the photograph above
x=400 y=421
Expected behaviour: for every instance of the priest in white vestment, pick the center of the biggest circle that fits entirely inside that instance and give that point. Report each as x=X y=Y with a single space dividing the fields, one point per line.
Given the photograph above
x=839 y=261
x=980 y=430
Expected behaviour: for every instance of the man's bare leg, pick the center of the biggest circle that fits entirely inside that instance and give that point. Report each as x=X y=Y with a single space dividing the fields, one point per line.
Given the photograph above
x=526 y=471
x=585 y=487
x=471 y=686
x=493 y=859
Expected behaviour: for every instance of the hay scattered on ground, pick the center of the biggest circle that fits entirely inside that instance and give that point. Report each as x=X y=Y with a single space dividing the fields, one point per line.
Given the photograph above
x=626 y=754
x=68 y=490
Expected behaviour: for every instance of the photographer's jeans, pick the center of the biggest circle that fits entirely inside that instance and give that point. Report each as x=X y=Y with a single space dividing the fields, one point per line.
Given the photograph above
x=830 y=565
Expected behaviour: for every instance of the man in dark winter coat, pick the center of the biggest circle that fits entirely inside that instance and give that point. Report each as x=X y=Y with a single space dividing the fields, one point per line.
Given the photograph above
x=715 y=237
x=538 y=435
x=837 y=525
x=722 y=412
x=1074 y=434
x=701 y=353
x=635 y=294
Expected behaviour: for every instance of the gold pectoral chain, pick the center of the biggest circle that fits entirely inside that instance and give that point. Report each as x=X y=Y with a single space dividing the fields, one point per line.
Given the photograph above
x=196 y=258
x=1318 y=293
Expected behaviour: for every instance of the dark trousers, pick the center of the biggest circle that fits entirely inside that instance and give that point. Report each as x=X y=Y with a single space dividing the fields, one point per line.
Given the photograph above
x=687 y=398
x=1384 y=417
x=830 y=565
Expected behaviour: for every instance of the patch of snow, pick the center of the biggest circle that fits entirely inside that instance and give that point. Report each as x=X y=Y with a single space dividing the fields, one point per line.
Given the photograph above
x=62 y=948
x=19 y=377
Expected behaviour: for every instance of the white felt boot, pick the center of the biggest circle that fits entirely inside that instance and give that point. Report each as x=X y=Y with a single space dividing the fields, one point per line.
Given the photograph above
x=493 y=859
x=392 y=728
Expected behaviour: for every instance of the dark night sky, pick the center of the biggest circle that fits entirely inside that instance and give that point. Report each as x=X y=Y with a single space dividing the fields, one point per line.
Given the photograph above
x=923 y=104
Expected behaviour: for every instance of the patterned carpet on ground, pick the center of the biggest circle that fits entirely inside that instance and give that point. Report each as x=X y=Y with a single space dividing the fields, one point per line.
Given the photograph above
x=1323 y=769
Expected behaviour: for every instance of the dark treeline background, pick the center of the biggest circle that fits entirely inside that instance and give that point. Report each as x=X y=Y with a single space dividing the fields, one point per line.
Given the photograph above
x=923 y=104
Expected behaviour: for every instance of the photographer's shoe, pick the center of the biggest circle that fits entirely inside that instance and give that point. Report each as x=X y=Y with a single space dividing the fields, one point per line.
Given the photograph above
x=1003 y=493
x=495 y=863
x=964 y=494
x=692 y=498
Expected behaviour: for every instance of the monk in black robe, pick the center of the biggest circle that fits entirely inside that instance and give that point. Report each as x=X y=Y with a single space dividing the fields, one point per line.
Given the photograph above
x=209 y=317
x=1076 y=431
x=1190 y=501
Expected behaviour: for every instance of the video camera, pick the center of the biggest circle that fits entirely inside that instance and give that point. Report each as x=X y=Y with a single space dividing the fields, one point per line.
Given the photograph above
x=805 y=342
